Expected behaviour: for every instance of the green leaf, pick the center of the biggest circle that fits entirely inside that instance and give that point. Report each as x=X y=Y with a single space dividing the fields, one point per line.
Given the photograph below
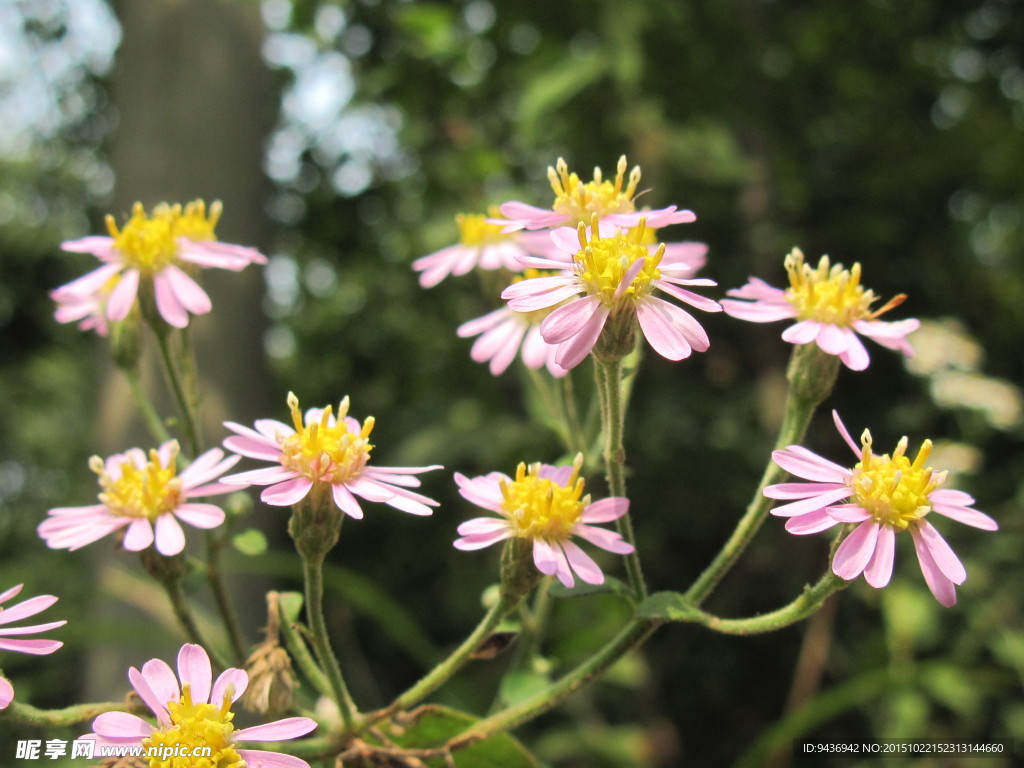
x=522 y=684
x=290 y=604
x=250 y=542
x=669 y=606
x=555 y=87
x=435 y=726
x=611 y=586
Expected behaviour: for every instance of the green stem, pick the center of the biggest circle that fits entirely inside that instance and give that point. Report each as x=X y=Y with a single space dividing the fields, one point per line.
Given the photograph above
x=172 y=586
x=26 y=714
x=812 y=374
x=215 y=581
x=154 y=423
x=313 y=574
x=808 y=602
x=302 y=657
x=631 y=637
x=177 y=388
x=440 y=674
x=609 y=385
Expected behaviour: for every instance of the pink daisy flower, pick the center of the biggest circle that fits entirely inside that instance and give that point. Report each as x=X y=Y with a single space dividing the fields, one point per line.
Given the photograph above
x=546 y=505
x=482 y=244
x=157 y=251
x=145 y=496
x=196 y=713
x=85 y=303
x=830 y=306
x=577 y=202
x=616 y=272
x=17 y=612
x=882 y=495
x=323 y=449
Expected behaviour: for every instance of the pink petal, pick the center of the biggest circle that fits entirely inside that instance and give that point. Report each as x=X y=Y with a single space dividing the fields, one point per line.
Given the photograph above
x=857 y=450
x=605 y=510
x=33 y=647
x=941 y=553
x=346 y=502
x=941 y=587
x=879 y=568
x=545 y=557
x=255 y=758
x=848 y=513
x=122 y=298
x=203 y=516
x=171 y=309
x=609 y=541
x=156 y=685
x=583 y=564
x=483 y=491
x=856 y=550
x=210 y=465
x=812 y=504
x=803 y=463
x=6 y=693
x=121 y=725
x=370 y=490
x=799 y=490
x=194 y=669
x=262 y=476
x=529 y=299
x=230 y=683
x=26 y=608
x=695 y=300
x=812 y=522
x=98 y=245
x=572 y=352
x=482 y=525
x=187 y=290
x=34 y=629
x=287 y=493
x=16 y=589
x=139 y=535
x=481 y=540
x=956 y=506
x=88 y=285
x=661 y=333
x=170 y=538
x=480 y=324
x=833 y=339
x=567 y=321
x=803 y=332
x=856 y=356
x=279 y=730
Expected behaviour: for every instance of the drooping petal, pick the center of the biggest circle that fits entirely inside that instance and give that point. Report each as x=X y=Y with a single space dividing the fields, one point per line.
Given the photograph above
x=256 y=758
x=122 y=298
x=879 y=568
x=611 y=541
x=582 y=563
x=287 y=493
x=569 y=320
x=169 y=536
x=853 y=554
x=139 y=535
x=6 y=693
x=942 y=554
x=856 y=356
x=189 y=294
x=803 y=332
x=168 y=303
x=940 y=585
x=573 y=351
x=346 y=502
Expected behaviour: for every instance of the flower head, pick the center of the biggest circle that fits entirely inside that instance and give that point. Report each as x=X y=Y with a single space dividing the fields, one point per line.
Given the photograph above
x=544 y=504
x=323 y=449
x=147 y=496
x=154 y=253
x=830 y=306
x=577 y=202
x=883 y=495
x=8 y=639
x=483 y=244
x=616 y=272
x=196 y=713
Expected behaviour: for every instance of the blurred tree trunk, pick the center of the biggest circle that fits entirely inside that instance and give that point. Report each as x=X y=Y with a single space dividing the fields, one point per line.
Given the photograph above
x=192 y=104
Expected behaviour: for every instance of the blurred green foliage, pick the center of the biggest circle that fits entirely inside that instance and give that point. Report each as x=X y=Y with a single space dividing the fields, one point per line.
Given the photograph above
x=886 y=132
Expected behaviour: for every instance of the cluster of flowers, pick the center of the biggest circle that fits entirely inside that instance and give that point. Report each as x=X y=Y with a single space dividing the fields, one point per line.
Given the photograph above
x=588 y=261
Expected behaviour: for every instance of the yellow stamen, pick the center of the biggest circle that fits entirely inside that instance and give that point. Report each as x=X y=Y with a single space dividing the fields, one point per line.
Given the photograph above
x=474 y=229
x=829 y=293
x=195 y=725
x=893 y=489
x=603 y=263
x=579 y=201
x=326 y=451
x=150 y=242
x=149 y=492
x=540 y=508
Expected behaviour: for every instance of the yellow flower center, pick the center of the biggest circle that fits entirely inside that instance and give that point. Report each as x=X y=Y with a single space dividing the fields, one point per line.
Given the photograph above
x=149 y=492
x=893 y=489
x=324 y=451
x=831 y=294
x=474 y=229
x=602 y=263
x=540 y=508
x=579 y=201
x=149 y=243
x=195 y=726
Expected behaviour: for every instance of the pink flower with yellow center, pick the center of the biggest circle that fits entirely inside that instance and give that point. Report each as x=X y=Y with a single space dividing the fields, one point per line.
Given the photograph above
x=544 y=504
x=577 y=202
x=830 y=306
x=616 y=272
x=482 y=244
x=323 y=449
x=883 y=495
x=154 y=254
x=9 y=640
x=194 y=722
x=147 y=497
